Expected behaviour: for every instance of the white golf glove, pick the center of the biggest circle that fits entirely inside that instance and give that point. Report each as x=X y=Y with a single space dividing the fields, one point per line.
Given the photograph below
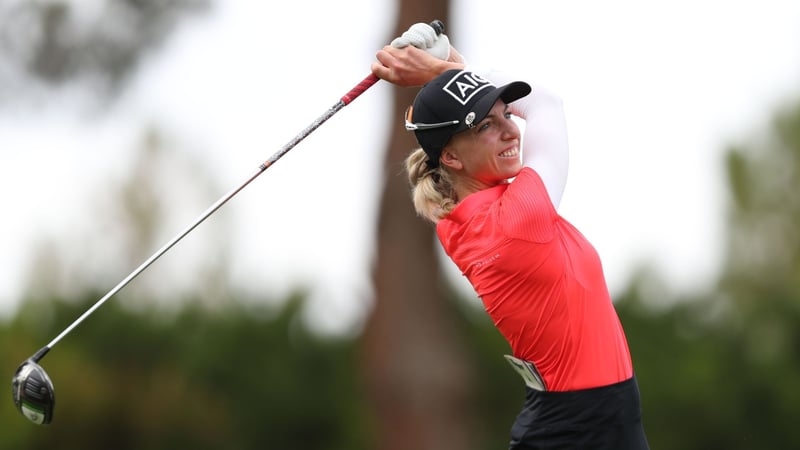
x=423 y=36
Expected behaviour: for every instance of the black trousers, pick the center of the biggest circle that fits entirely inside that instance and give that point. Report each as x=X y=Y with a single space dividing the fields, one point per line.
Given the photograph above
x=604 y=418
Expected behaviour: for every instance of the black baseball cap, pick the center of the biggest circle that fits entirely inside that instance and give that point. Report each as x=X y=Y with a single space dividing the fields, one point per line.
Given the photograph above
x=453 y=102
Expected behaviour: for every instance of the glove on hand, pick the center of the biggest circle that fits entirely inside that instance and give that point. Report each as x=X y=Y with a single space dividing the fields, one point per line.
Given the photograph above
x=424 y=37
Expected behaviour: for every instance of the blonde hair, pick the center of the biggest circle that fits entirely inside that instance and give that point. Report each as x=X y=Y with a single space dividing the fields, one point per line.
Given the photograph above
x=431 y=189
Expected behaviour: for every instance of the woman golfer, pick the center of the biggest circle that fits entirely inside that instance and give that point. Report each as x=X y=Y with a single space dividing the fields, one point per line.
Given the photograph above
x=494 y=206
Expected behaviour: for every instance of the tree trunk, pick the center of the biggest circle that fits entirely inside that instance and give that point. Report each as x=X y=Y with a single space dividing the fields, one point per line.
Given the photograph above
x=413 y=360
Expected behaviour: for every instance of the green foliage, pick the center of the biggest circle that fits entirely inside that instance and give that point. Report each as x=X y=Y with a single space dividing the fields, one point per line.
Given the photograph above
x=240 y=378
x=720 y=370
x=705 y=384
x=243 y=377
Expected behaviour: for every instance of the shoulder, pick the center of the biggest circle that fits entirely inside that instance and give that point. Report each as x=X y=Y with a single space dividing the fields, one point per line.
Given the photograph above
x=526 y=210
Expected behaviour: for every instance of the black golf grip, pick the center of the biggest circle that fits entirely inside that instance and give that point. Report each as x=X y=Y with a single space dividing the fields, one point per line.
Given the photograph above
x=438 y=26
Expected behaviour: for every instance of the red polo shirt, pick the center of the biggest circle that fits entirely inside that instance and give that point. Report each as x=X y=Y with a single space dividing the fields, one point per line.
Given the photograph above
x=541 y=282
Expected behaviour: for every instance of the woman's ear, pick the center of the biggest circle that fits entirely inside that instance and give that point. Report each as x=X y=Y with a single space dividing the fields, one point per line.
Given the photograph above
x=450 y=159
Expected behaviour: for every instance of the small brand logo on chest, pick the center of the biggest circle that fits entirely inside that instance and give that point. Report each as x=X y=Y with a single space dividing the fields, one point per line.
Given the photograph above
x=486 y=261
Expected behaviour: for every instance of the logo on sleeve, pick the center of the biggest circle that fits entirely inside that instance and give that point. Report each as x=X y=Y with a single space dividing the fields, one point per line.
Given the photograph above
x=464 y=85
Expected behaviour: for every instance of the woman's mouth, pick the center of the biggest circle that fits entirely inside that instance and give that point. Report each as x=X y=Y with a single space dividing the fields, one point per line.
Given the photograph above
x=510 y=153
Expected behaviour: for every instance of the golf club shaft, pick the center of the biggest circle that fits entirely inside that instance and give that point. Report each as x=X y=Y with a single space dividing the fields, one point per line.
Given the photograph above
x=351 y=95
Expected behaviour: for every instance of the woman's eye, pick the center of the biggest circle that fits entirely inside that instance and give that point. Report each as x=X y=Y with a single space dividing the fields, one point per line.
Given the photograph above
x=507 y=114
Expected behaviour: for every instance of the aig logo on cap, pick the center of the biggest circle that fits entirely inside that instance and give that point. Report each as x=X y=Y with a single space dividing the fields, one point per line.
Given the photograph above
x=464 y=85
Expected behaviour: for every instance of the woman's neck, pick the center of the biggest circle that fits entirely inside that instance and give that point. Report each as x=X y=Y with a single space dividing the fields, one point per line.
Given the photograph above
x=466 y=186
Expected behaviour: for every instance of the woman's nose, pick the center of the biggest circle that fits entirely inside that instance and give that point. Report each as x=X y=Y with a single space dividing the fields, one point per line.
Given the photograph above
x=510 y=129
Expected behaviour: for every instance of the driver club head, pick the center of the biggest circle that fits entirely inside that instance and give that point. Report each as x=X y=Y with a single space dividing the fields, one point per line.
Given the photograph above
x=33 y=392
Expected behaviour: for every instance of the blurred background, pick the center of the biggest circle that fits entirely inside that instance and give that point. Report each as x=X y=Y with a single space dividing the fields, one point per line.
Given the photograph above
x=315 y=311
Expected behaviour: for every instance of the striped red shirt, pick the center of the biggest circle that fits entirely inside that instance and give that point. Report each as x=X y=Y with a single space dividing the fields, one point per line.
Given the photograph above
x=541 y=282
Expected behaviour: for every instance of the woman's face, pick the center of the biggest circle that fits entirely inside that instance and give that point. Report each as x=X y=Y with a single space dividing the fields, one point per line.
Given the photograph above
x=487 y=154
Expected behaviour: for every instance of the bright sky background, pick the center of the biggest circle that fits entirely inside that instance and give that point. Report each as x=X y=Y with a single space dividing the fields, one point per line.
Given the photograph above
x=654 y=92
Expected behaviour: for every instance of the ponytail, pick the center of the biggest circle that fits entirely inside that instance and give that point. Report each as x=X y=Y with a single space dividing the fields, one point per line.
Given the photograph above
x=431 y=189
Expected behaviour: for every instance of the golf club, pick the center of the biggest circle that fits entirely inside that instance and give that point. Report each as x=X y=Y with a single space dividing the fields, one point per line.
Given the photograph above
x=32 y=389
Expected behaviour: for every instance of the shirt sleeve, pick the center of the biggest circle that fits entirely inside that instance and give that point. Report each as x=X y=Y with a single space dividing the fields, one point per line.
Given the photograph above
x=545 y=147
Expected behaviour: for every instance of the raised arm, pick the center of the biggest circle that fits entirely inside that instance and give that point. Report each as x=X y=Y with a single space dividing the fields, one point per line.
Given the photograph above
x=545 y=143
x=416 y=57
x=409 y=66
x=419 y=56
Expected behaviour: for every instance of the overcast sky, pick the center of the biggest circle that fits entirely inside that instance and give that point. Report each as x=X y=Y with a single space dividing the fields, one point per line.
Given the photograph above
x=654 y=92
